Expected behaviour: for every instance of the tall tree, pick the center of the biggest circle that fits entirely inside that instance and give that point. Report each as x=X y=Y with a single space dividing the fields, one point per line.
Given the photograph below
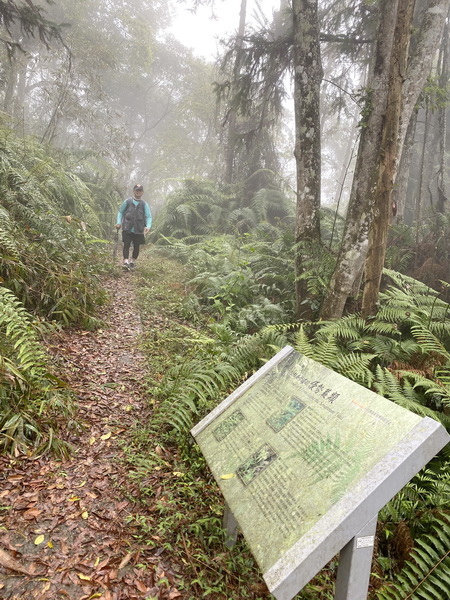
x=307 y=68
x=232 y=113
x=387 y=114
x=444 y=76
x=387 y=160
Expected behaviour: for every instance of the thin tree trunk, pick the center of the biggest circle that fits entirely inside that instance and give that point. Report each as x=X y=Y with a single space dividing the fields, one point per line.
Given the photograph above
x=349 y=154
x=420 y=185
x=400 y=193
x=307 y=79
x=232 y=116
x=12 y=74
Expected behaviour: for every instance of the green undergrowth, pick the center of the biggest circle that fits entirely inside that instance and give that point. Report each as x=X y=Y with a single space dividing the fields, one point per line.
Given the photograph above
x=196 y=357
x=179 y=508
x=52 y=257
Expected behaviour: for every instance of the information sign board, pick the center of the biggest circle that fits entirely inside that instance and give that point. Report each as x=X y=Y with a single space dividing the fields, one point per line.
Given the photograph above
x=305 y=458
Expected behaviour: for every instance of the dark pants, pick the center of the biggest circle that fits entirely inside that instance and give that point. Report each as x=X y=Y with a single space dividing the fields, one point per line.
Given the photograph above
x=128 y=238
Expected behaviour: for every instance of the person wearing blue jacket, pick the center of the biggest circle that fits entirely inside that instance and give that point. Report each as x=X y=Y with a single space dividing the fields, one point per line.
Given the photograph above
x=135 y=219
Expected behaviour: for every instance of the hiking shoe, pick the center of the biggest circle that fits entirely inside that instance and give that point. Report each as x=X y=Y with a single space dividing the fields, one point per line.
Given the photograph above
x=131 y=265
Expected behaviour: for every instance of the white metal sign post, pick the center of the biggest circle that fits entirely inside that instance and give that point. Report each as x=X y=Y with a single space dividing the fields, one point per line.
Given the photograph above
x=355 y=560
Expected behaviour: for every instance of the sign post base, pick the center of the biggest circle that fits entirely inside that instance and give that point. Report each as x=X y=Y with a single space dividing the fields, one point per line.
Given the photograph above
x=355 y=560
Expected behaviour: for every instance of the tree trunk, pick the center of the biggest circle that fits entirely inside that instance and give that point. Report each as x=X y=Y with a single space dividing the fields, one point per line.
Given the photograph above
x=11 y=70
x=232 y=116
x=420 y=186
x=359 y=215
x=372 y=188
x=442 y=123
x=388 y=159
x=307 y=80
x=348 y=156
x=404 y=211
x=429 y=34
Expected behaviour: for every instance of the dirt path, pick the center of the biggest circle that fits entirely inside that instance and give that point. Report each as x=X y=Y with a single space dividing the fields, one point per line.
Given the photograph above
x=65 y=521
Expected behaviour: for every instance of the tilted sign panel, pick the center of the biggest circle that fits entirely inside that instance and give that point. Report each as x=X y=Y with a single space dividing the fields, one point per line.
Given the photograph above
x=292 y=445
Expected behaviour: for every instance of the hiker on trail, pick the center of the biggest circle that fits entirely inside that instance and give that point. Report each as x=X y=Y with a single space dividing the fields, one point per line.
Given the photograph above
x=135 y=218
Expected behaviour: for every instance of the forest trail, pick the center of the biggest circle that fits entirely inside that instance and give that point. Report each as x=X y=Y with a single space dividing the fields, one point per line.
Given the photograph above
x=65 y=521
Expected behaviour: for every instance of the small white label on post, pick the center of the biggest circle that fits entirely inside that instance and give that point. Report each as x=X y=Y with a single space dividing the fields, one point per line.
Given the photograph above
x=365 y=542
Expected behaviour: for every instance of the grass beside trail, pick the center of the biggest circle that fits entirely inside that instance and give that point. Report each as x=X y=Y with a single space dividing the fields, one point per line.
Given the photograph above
x=179 y=505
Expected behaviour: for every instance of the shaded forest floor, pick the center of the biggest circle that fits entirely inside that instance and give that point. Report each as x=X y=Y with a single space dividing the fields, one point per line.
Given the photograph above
x=66 y=524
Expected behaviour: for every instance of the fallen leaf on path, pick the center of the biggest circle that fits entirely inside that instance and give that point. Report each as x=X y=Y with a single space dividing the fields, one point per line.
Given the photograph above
x=10 y=563
x=39 y=540
x=101 y=565
x=125 y=560
x=141 y=586
x=106 y=436
x=32 y=513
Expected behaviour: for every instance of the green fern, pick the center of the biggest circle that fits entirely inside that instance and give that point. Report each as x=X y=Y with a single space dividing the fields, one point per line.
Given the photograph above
x=194 y=388
x=46 y=256
x=28 y=390
x=18 y=336
x=404 y=392
x=188 y=391
x=8 y=242
x=429 y=343
x=426 y=575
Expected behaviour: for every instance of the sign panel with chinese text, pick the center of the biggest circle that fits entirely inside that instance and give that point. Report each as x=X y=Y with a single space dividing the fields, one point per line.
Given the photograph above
x=291 y=444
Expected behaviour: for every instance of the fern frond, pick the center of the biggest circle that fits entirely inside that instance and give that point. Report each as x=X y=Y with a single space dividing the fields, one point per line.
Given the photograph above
x=8 y=243
x=356 y=367
x=428 y=342
x=302 y=344
x=426 y=574
x=348 y=328
x=403 y=393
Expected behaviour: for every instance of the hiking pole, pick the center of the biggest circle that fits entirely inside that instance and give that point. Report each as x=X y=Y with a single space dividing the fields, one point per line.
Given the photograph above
x=116 y=245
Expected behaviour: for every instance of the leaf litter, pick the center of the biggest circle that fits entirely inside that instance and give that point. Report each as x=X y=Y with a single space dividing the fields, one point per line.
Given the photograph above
x=63 y=523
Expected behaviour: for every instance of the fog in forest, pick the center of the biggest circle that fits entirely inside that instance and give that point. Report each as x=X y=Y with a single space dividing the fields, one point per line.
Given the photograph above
x=163 y=92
